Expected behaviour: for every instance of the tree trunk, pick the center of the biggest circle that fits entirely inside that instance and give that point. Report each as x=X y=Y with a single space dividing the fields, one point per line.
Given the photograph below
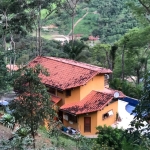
x=122 y=73
x=145 y=71
x=4 y=36
x=72 y=27
x=31 y=113
x=138 y=75
x=39 y=30
x=108 y=59
x=37 y=42
x=13 y=47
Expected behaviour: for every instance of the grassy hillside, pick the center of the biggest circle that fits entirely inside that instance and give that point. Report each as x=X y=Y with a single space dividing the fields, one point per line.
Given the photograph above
x=109 y=19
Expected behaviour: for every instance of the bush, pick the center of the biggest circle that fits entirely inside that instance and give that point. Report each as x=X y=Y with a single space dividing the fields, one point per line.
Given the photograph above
x=111 y=137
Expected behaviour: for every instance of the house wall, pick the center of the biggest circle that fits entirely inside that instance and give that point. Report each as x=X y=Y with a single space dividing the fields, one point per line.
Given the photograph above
x=75 y=96
x=62 y=96
x=111 y=119
x=96 y=83
x=80 y=123
x=93 y=123
x=78 y=93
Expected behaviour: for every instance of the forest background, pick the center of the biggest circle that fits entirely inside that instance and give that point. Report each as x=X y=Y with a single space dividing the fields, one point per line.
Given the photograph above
x=123 y=44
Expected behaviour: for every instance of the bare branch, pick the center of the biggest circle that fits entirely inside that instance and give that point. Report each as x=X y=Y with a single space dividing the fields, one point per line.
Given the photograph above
x=144 y=5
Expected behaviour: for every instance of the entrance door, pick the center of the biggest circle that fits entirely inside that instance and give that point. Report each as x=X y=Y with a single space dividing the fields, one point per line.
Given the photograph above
x=87 y=124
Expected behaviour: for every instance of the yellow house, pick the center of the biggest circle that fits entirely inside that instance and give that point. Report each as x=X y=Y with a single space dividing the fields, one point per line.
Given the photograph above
x=79 y=91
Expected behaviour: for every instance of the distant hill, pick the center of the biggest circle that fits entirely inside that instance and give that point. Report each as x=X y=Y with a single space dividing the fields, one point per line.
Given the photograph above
x=107 y=18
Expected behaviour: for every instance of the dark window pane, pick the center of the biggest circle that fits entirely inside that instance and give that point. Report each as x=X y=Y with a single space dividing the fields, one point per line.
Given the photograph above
x=68 y=92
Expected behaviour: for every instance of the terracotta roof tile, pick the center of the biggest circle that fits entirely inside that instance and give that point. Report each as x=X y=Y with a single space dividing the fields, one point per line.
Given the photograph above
x=112 y=91
x=55 y=99
x=65 y=73
x=92 y=102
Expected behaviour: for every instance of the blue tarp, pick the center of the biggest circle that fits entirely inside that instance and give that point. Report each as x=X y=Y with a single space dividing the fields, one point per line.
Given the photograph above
x=4 y=103
x=130 y=108
x=130 y=100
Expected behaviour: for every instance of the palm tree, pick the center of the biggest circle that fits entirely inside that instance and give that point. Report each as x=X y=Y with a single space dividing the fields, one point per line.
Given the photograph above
x=75 y=50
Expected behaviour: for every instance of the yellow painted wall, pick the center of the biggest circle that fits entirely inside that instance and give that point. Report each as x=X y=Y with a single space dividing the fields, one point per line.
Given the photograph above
x=75 y=96
x=62 y=96
x=96 y=83
x=108 y=121
x=78 y=93
x=96 y=119
x=93 y=123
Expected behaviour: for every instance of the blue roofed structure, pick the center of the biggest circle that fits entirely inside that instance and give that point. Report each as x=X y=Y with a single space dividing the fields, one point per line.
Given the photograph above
x=131 y=101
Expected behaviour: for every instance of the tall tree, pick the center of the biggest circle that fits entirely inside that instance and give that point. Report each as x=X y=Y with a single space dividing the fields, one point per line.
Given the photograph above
x=141 y=8
x=106 y=54
x=33 y=104
x=70 y=7
x=36 y=6
x=142 y=111
x=4 y=75
x=75 y=51
x=15 y=21
x=135 y=44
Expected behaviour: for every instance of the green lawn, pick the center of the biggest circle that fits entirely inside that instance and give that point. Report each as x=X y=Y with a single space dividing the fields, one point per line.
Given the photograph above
x=87 y=25
x=62 y=141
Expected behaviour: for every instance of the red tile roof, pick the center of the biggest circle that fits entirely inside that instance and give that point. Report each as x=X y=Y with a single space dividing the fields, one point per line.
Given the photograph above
x=55 y=98
x=92 y=38
x=92 y=102
x=65 y=73
x=112 y=91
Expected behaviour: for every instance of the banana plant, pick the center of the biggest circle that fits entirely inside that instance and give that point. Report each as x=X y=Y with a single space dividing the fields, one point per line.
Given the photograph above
x=8 y=121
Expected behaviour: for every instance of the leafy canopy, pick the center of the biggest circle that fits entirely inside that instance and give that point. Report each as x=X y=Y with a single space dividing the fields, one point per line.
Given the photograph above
x=32 y=105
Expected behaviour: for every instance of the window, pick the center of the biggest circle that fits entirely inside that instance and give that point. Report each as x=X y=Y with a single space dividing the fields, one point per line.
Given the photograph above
x=87 y=124
x=51 y=90
x=59 y=91
x=68 y=92
x=72 y=118
x=108 y=114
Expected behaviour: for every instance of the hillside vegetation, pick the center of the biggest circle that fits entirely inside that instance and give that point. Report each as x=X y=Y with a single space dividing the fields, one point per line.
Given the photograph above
x=109 y=19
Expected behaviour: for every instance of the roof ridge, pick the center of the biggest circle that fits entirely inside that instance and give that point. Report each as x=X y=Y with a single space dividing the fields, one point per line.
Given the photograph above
x=103 y=92
x=76 y=63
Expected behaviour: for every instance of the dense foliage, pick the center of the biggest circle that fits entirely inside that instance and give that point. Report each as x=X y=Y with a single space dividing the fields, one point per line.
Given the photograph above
x=142 y=111
x=109 y=136
x=33 y=104
x=4 y=74
x=109 y=19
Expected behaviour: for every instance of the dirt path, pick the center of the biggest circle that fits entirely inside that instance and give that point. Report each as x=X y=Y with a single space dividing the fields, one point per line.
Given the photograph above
x=5 y=133
x=77 y=23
